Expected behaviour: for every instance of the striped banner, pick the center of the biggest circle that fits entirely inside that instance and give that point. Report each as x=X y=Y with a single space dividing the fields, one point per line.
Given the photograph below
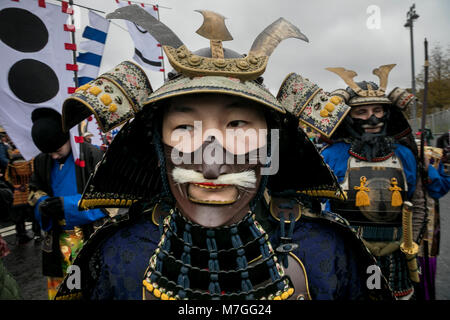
x=89 y=60
x=92 y=47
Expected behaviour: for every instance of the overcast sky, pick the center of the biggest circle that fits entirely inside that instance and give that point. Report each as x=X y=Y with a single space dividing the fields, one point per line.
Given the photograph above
x=337 y=31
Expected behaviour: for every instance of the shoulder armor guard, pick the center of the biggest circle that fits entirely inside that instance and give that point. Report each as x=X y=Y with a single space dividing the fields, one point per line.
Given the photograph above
x=280 y=206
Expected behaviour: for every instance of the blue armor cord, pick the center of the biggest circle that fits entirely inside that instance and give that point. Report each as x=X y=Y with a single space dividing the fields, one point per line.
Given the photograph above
x=265 y=253
x=183 y=279
x=241 y=260
x=213 y=263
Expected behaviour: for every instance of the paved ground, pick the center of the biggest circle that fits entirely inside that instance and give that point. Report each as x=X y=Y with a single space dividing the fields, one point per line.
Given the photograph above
x=24 y=262
x=443 y=261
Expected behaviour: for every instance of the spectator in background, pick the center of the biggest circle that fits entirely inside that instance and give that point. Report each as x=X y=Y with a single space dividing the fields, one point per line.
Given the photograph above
x=437 y=184
x=4 y=160
x=443 y=142
x=88 y=137
x=55 y=190
x=428 y=135
x=437 y=166
x=18 y=174
x=8 y=286
x=6 y=197
x=4 y=154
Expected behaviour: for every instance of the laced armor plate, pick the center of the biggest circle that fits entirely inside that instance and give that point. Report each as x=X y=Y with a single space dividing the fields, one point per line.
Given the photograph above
x=385 y=188
x=18 y=174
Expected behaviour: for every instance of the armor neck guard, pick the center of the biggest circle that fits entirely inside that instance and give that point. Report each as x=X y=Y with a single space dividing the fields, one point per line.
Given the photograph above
x=373 y=148
x=235 y=262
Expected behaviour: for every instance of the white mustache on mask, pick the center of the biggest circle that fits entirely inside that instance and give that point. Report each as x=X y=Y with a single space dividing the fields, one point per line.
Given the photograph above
x=368 y=126
x=245 y=179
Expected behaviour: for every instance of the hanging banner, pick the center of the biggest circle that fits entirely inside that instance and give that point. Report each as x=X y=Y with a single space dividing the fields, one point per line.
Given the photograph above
x=91 y=48
x=147 y=51
x=37 y=65
x=89 y=60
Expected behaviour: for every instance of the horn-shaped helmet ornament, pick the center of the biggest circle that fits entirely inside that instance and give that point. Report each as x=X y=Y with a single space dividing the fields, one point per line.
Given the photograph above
x=383 y=73
x=398 y=97
x=213 y=28
x=363 y=93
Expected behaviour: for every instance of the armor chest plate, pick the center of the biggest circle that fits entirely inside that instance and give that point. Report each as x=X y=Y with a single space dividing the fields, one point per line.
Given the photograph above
x=375 y=192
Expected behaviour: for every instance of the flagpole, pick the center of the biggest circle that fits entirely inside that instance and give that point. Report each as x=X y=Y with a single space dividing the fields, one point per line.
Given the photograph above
x=147 y=4
x=92 y=9
x=426 y=272
x=79 y=5
x=74 y=55
x=162 y=53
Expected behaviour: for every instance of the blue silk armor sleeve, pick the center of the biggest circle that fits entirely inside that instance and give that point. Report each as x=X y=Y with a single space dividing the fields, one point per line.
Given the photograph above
x=440 y=182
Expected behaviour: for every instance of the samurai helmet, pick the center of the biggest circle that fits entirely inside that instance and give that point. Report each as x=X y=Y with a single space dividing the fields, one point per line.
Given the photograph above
x=217 y=70
x=368 y=92
x=365 y=92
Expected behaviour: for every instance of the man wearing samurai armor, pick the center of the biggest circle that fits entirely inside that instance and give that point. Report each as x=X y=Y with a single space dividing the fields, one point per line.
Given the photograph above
x=222 y=185
x=437 y=184
x=4 y=151
x=18 y=174
x=55 y=190
x=437 y=161
x=378 y=171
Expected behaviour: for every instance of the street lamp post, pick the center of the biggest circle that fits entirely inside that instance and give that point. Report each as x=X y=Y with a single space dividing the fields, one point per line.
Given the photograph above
x=411 y=15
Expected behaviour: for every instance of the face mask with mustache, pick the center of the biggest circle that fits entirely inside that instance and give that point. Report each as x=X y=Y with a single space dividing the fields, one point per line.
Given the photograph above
x=359 y=125
x=356 y=127
x=215 y=192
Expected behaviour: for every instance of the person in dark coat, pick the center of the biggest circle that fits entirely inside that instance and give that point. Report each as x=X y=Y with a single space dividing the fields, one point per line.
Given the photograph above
x=55 y=190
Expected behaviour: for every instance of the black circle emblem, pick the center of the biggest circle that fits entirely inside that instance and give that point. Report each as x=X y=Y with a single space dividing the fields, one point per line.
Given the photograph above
x=33 y=81
x=22 y=30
